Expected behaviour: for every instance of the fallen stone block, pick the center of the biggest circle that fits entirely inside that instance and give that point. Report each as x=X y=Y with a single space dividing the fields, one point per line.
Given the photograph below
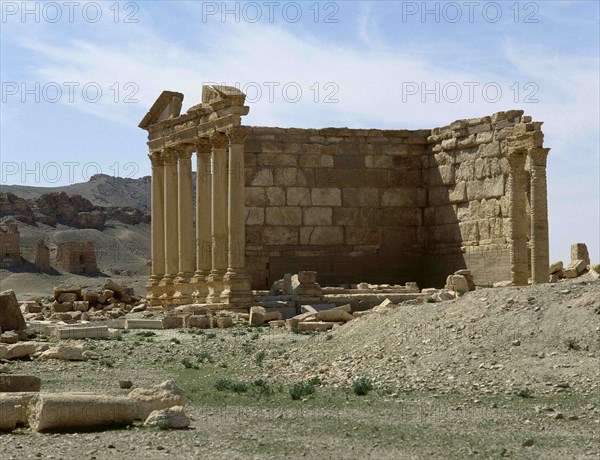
x=81 y=332
x=144 y=324
x=429 y=291
x=277 y=323
x=11 y=318
x=67 y=288
x=556 y=267
x=316 y=325
x=579 y=251
x=11 y=383
x=172 y=322
x=172 y=418
x=81 y=305
x=67 y=297
x=17 y=351
x=13 y=410
x=334 y=316
x=64 y=353
x=31 y=306
x=193 y=309
x=197 y=321
x=224 y=322
x=163 y=396
x=61 y=307
x=257 y=316
x=272 y=316
x=9 y=337
x=308 y=309
x=575 y=269
x=67 y=411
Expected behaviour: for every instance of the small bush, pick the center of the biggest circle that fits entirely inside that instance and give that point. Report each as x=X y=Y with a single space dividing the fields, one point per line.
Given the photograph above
x=175 y=340
x=255 y=336
x=223 y=384
x=205 y=356
x=314 y=381
x=260 y=357
x=210 y=335
x=430 y=300
x=362 y=386
x=247 y=347
x=188 y=364
x=145 y=334
x=525 y=393
x=572 y=344
x=107 y=362
x=263 y=388
x=238 y=387
x=301 y=389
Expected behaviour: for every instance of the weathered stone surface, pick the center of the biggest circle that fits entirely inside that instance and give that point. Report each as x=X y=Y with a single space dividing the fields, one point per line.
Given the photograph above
x=11 y=318
x=171 y=418
x=67 y=288
x=64 y=353
x=198 y=321
x=316 y=325
x=144 y=324
x=579 y=251
x=257 y=316
x=556 y=267
x=67 y=411
x=81 y=332
x=334 y=316
x=10 y=383
x=13 y=410
x=163 y=396
x=17 y=350
x=575 y=268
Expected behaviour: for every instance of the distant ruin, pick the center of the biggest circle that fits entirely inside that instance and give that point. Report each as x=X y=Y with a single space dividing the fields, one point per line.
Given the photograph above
x=383 y=206
x=10 y=246
x=42 y=256
x=77 y=257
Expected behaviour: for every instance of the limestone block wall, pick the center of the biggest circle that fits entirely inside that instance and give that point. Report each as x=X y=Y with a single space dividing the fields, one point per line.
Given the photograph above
x=466 y=174
x=10 y=249
x=76 y=257
x=347 y=203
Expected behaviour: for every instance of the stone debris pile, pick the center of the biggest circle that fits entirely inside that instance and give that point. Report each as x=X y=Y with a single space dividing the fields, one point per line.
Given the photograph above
x=580 y=265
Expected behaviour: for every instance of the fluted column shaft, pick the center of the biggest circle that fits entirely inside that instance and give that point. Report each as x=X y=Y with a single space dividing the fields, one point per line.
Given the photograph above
x=540 y=249
x=186 y=223
x=517 y=219
x=171 y=216
x=203 y=208
x=219 y=216
x=236 y=205
x=157 y=216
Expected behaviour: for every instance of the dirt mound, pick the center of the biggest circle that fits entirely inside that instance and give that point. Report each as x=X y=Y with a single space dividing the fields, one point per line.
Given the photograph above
x=534 y=340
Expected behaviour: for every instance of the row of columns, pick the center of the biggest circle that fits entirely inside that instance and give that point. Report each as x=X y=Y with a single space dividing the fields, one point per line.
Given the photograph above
x=538 y=219
x=216 y=275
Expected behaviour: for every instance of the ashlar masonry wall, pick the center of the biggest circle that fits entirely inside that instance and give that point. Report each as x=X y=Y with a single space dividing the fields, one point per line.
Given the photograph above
x=390 y=206
x=344 y=202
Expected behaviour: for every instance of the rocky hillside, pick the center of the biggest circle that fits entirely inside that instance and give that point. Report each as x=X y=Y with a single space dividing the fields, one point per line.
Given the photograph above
x=100 y=190
x=73 y=211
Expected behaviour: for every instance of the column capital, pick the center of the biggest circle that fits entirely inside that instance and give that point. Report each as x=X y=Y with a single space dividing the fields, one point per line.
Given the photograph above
x=538 y=156
x=156 y=159
x=184 y=151
x=516 y=160
x=237 y=134
x=203 y=145
x=218 y=140
x=170 y=155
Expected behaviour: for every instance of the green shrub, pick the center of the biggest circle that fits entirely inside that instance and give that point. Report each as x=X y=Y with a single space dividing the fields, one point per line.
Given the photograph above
x=188 y=364
x=572 y=344
x=301 y=389
x=175 y=340
x=362 y=386
x=145 y=334
x=525 y=393
x=205 y=356
x=260 y=357
x=223 y=384
x=107 y=362
x=239 y=387
x=210 y=335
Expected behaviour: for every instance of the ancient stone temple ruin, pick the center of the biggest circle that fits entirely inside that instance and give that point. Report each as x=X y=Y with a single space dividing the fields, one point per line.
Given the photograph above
x=77 y=257
x=382 y=206
x=10 y=246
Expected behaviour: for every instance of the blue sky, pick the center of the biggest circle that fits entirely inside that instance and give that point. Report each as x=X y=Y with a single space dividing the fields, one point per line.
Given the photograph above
x=355 y=64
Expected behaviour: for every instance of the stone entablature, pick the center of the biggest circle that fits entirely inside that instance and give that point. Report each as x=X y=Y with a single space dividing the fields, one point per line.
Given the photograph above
x=353 y=204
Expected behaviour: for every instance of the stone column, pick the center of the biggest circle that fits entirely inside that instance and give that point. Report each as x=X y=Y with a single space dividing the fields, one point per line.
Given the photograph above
x=171 y=241
x=157 y=229
x=517 y=218
x=203 y=220
x=219 y=217
x=540 y=249
x=237 y=283
x=183 y=288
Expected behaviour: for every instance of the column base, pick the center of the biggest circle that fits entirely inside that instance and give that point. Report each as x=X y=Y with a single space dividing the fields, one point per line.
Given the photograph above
x=199 y=287
x=215 y=287
x=237 y=290
x=183 y=289
x=167 y=289
x=155 y=290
